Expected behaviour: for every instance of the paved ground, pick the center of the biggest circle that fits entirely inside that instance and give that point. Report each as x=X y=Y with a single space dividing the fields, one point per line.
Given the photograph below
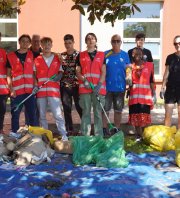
x=149 y=175
x=157 y=118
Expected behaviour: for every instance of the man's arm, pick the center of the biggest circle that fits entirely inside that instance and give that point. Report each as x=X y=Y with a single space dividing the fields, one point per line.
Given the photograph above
x=103 y=74
x=79 y=74
x=165 y=77
x=9 y=81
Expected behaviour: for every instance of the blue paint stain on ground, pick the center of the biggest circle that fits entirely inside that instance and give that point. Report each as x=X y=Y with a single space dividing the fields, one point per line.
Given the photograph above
x=152 y=175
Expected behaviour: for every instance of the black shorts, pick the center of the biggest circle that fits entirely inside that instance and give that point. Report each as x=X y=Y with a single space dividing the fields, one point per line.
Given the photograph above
x=139 y=108
x=172 y=95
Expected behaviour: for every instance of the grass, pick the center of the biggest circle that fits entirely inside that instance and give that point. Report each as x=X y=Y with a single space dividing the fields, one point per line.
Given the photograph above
x=130 y=145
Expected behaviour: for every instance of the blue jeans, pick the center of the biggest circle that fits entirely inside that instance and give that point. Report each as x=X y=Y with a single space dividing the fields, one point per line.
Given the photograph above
x=36 y=112
x=29 y=104
x=3 y=100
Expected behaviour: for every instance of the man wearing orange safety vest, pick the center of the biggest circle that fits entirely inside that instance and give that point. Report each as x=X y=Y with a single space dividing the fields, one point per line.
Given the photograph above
x=47 y=65
x=21 y=81
x=91 y=70
x=4 y=90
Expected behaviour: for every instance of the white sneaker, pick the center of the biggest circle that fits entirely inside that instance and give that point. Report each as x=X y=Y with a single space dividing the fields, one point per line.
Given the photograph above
x=64 y=138
x=139 y=139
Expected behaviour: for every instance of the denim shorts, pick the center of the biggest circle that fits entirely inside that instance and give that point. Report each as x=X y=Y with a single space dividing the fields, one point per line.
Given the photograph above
x=115 y=98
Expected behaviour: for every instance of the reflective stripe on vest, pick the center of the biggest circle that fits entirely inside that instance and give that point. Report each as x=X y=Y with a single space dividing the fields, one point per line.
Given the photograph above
x=140 y=96
x=92 y=75
x=23 y=86
x=102 y=86
x=91 y=70
x=22 y=75
x=141 y=86
x=3 y=86
x=3 y=76
x=48 y=89
x=3 y=71
x=43 y=79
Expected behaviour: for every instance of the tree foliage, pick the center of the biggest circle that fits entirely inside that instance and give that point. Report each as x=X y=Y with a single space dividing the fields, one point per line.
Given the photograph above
x=102 y=10
x=9 y=7
x=106 y=10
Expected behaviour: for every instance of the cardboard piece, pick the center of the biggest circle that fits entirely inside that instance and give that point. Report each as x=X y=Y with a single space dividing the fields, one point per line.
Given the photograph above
x=63 y=147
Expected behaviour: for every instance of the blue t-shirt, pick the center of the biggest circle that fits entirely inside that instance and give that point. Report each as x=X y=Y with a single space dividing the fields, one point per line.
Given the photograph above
x=116 y=70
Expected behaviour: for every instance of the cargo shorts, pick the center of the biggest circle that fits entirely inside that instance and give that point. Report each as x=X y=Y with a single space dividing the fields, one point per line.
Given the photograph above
x=115 y=98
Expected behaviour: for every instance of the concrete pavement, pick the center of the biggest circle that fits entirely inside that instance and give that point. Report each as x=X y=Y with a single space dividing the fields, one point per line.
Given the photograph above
x=157 y=115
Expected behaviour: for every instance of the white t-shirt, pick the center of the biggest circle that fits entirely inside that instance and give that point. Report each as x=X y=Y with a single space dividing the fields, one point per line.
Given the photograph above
x=48 y=61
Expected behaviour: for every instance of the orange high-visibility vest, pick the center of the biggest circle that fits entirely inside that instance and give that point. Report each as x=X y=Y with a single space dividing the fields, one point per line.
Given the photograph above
x=91 y=70
x=4 y=90
x=141 y=91
x=22 y=75
x=43 y=73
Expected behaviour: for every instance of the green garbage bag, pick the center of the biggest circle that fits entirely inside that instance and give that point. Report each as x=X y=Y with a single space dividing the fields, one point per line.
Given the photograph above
x=86 y=148
x=102 y=152
x=114 y=154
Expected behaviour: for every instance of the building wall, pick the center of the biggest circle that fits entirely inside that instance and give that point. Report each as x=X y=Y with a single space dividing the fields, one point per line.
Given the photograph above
x=171 y=26
x=170 y=29
x=52 y=18
x=56 y=19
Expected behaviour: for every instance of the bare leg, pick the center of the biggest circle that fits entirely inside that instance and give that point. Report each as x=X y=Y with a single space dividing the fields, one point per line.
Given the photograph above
x=105 y=119
x=168 y=114
x=138 y=131
x=117 y=119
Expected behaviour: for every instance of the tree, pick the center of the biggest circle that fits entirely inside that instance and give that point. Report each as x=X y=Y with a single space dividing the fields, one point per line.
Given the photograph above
x=9 y=7
x=106 y=10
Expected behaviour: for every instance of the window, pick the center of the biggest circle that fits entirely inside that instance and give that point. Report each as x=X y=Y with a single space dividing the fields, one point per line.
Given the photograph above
x=150 y=29
x=148 y=21
x=8 y=28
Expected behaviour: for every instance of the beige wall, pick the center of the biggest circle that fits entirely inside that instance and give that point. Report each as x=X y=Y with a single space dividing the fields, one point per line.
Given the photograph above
x=171 y=26
x=52 y=18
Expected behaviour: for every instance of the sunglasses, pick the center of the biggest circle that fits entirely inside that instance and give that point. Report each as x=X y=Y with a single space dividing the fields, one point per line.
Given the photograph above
x=176 y=43
x=116 y=41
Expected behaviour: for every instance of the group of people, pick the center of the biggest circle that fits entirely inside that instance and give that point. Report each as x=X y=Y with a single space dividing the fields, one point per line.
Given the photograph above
x=91 y=78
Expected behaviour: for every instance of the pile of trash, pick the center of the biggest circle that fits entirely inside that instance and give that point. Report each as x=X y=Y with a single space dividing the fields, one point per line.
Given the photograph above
x=34 y=145
x=26 y=148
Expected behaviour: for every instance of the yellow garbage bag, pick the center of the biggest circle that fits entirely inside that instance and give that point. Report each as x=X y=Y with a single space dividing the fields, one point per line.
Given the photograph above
x=41 y=131
x=177 y=147
x=160 y=137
